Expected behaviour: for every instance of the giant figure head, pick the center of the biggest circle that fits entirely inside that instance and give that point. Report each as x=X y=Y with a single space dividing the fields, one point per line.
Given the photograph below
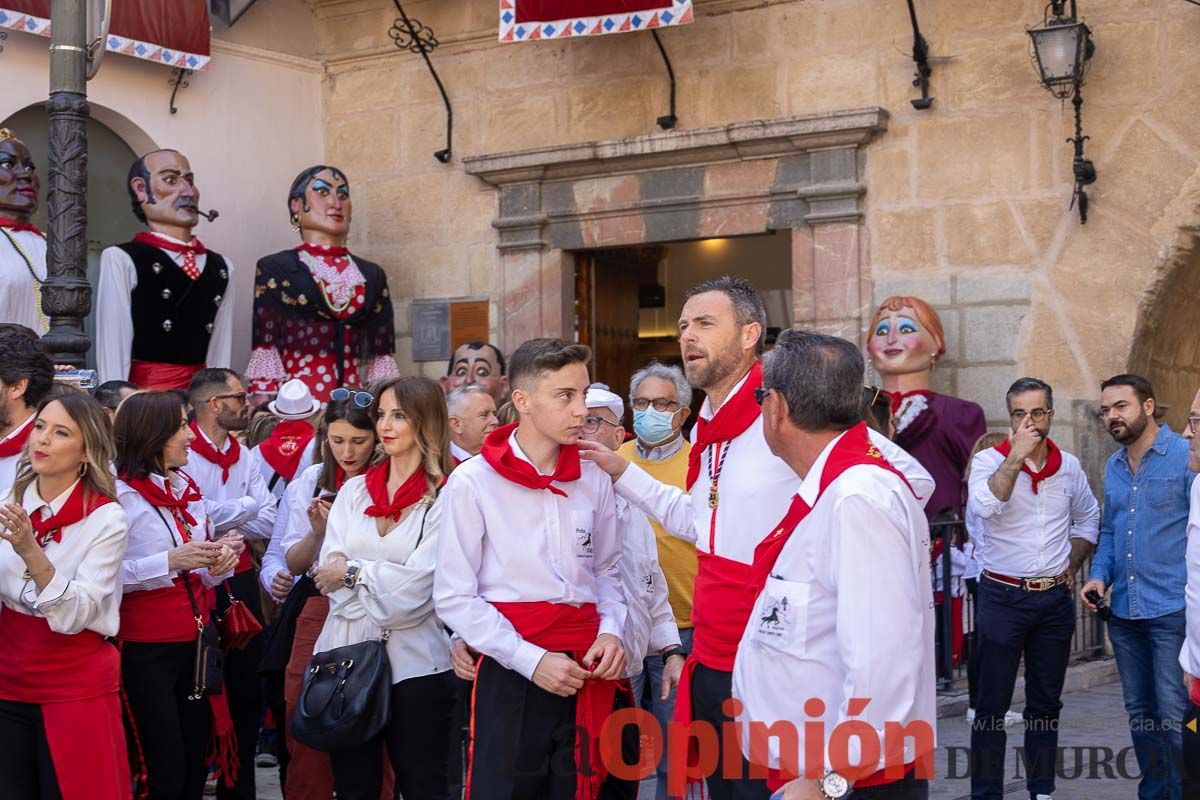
x=163 y=191
x=905 y=337
x=319 y=205
x=19 y=182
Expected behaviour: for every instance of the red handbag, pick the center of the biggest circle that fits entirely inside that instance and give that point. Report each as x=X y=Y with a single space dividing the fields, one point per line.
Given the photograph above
x=238 y=625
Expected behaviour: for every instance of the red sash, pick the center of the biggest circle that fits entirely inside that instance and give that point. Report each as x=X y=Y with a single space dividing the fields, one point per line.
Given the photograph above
x=16 y=443
x=732 y=419
x=559 y=627
x=162 y=615
x=160 y=376
x=75 y=679
x=1053 y=463
x=285 y=447
x=497 y=452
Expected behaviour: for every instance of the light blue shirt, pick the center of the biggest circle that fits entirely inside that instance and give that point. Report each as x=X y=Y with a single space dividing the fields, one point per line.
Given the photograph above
x=1142 y=551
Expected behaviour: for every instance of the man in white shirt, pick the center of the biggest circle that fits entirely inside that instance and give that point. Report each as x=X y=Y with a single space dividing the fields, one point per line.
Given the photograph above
x=737 y=489
x=842 y=607
x=527 y=576
x=26 y=374
x=1189 y=656
x=472 y=417
x=164 y=303
x=1042 y=523
x=224 y=471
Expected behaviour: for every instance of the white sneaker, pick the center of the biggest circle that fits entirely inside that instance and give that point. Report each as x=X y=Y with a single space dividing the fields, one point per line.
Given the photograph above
x=1012 y=718
x=970 y=714
x=1043 y=797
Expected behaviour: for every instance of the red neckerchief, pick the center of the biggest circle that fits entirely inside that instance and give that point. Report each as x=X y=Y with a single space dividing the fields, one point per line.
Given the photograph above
x=409 y=492
x=190 y=251
x=163 y=497
x=13 y=225
x=74 y=510
x=339 y=476
x=854 y=448
x=322 y=251
x=734 y=416
x=15 y=443
x=497 y=452
x=898 y=398
x=286 y=445
x=203 y=448
x=1053 y=462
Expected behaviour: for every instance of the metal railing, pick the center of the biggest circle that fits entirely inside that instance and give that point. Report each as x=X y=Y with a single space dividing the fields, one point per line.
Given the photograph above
x=1086 y=644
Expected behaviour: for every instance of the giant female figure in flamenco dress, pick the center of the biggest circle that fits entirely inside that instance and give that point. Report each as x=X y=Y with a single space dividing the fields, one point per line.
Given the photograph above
x=320 y=314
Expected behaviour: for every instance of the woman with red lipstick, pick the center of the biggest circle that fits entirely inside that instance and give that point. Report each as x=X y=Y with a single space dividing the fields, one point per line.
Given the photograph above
x=22 y=245
x=169 y=564
x=63 y=539
x=348 y=442
x=320 y=313
x=376 y=568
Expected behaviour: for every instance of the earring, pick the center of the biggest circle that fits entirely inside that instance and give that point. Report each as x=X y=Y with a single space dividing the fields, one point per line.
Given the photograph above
x=295 y=218
x=83 y=468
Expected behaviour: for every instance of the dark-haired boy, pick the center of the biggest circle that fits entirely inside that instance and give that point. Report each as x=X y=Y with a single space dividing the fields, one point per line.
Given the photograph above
x=527 y=576
x=26 y=374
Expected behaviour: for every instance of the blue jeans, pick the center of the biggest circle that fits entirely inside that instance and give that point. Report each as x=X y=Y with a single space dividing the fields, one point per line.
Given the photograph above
x=647 y=687
x=1147 y=652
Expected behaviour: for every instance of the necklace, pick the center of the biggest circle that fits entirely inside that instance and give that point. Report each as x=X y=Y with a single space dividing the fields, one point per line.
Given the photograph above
x=37 y=284
x=313 y=263
x=714 y=475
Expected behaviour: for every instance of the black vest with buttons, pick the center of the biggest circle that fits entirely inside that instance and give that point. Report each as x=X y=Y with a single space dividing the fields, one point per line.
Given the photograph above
x=172 y=314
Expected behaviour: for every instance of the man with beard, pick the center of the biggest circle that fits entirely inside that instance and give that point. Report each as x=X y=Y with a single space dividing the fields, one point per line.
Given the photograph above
x=737 y=490
x=1042 y=522
x=1142 y=555
x=164 y=308
x=224 y=471
x=26 y=374
x=22 y=245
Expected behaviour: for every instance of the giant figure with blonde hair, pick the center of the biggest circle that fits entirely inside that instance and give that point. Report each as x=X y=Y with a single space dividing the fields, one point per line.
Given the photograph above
x=904 y=343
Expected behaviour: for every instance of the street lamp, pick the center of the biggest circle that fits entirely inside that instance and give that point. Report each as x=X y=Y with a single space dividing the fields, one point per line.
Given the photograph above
x=1062 y=50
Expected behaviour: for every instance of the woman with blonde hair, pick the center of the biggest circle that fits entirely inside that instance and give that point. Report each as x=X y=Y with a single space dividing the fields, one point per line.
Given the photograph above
x=63 y=539
x=376 y=568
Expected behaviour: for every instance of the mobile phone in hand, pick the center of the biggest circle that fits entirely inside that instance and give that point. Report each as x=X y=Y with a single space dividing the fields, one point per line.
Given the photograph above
x=328 y=497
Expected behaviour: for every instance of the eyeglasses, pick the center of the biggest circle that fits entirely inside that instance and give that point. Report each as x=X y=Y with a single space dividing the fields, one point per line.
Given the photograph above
x=659 y=403
x=760 y=394
x=1194 y=425
x=360 y=399
x=1038 y=414
x=592 y=424
x=240 y=397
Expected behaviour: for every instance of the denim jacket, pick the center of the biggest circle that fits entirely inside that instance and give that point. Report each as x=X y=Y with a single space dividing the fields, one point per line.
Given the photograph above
x=1143 y=533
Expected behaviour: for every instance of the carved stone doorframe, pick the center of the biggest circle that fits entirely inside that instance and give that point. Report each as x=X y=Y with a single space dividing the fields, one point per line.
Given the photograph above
x=799 y=173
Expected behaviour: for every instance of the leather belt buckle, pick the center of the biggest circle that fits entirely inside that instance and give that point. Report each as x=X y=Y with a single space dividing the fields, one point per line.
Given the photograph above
x=1040 y=584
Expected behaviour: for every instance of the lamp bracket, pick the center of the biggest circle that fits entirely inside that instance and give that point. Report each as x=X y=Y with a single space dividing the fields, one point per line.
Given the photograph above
x=178 y=80
x=920 y=57
x=411 y=35
x=668 y=120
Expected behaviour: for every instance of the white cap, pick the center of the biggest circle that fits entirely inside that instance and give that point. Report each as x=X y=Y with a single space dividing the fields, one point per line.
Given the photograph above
x=294 y=401
x=598 y=396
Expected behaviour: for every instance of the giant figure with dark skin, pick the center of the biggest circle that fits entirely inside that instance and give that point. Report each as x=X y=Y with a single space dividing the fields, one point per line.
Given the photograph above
x=321 y=314
x=22 y=245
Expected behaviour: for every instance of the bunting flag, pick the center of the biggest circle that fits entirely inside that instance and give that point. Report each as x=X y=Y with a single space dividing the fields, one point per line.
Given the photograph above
x=171 y=32
x=528 y=20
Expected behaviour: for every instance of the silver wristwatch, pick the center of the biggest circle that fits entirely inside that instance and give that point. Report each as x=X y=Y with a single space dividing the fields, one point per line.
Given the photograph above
x=350 y=577
x=834 y=786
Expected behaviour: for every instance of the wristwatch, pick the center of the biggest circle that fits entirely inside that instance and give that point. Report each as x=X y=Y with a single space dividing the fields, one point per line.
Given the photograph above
x=834 y=786
x=674 y=651
x=350 y=577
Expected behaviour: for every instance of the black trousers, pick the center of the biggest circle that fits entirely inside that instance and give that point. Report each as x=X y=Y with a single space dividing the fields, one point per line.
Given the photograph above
x=25 y=764
x=460 y=738
x=417 y=741
x=710 y=689
x=615 y=788
x=1038 y=625
x=1191 y=753
x=243 y=688
x=171 y=730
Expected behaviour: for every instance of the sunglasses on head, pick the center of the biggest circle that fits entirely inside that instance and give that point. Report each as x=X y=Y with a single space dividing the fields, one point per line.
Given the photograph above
x=359 y=398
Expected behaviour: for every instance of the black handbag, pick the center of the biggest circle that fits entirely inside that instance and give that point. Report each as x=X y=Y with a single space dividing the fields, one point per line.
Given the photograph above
x=208 y=668
x=346 y=697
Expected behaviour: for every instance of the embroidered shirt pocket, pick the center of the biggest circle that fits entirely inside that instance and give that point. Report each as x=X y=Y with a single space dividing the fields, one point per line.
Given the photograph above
x=581 y=530
x=781 y=616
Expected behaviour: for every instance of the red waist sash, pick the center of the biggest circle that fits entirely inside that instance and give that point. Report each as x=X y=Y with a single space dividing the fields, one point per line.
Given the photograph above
x=161 y=376
x=75 y=679
x=559 y=627
x=163 y=615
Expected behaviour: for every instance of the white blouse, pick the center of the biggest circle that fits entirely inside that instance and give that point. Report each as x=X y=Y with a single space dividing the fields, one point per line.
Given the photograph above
x=152 y=533
x=83 y=594
x=649 y=624
x=394 y=585
x=291 y=522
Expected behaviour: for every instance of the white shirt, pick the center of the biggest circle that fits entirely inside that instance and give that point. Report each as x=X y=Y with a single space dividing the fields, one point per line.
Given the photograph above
x=114 y=320
x=846 y=613
x=268 y=472
x=1029 y=535
x=245 y=486
x=458 y=453
x=394 y=585
x=755 y=489
x=84 y=593
x=9 y=464
x=1189 y=656
x=502 y=542
x=17 y=299
x=152 y=533
x=649 y=624
x=291 y=522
